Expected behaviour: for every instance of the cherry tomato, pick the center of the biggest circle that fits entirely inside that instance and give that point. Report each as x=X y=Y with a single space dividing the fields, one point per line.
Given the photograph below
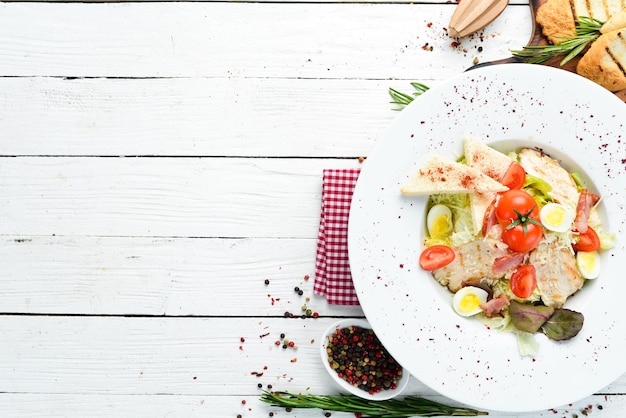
x=523 y=281
x=436 y=257
x=515 y=200
x=521 y=240
x=589 y=241
x=514 y=177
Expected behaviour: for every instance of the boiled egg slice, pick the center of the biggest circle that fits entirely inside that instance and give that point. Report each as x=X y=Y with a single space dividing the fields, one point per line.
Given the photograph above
x=439 y=221
x=588 y=264
x=467 y=300
x=556 y=217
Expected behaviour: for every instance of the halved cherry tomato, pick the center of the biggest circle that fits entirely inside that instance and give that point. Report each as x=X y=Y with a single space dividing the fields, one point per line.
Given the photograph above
x=436 y=257
x=521 y=240
x=523 y=281
x=515 y=176
x=587 y=242
x=512 y=201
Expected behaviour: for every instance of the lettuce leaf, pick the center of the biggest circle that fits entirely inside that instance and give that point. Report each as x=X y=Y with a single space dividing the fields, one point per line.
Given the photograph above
x=459 y=204
x=563 y=324
x=538 y=189
x=527 y=344
x=529 y=318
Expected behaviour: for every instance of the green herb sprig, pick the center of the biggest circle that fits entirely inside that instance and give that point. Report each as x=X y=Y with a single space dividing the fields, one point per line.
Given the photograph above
x=587 y=31
x=410 y=406
x=403 y=99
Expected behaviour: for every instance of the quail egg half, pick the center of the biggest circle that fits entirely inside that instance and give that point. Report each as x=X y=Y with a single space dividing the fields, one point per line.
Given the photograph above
x=439 y=221
x=467 y=300
x=556 y=217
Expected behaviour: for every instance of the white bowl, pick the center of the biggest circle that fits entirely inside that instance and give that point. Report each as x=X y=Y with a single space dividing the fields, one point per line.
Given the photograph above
x=380 y=396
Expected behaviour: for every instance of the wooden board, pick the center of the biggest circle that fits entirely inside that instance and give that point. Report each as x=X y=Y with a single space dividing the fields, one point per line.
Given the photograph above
x=537 y=38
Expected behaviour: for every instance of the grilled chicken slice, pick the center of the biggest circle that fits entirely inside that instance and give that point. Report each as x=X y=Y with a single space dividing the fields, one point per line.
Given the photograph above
x=557 y=275
x=473 y=262
x=564 y=190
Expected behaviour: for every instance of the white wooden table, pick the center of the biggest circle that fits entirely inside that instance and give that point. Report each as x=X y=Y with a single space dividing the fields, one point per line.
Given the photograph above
x=160 y=161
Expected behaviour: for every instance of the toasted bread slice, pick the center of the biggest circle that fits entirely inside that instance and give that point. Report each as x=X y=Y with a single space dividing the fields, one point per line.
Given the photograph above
x=617 y=21
x=479 y=202
x=486 y=159
x=556 y=19
x=598 y=9
x=605 y=61
x=441 y=175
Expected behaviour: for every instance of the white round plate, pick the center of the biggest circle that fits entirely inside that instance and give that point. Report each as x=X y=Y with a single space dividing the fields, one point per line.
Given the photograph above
x=507 y=106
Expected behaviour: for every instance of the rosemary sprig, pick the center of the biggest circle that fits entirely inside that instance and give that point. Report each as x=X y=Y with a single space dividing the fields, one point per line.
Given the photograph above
x=587 y=31
x=403 y=99
x=410 y=406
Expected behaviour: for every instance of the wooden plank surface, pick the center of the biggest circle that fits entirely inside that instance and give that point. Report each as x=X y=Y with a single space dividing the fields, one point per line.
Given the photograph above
x=234 y=40
x=160 y=161
x=96 y=275
x=164 y=197
x=247 y=117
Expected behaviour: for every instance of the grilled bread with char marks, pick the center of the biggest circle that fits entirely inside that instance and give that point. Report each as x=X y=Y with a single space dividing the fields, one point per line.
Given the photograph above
x=605 y=61
x=557 y=17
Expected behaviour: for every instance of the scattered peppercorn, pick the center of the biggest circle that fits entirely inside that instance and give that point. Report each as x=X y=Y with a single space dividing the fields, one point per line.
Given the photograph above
x=358 y=357
x=238 y=415
x=267 y=281
x=271 y=414
x=282 y=335
x=296 y=289
x=243 y=340
x=327 y=414
x=260 y=385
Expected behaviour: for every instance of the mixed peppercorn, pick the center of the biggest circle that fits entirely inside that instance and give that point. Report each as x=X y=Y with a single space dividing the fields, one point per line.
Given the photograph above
x=359 y=358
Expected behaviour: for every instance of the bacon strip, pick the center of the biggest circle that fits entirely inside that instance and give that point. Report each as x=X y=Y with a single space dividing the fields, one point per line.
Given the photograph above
x=494 y=306
x=507 y=262
x=489 y=219
x=586 y=201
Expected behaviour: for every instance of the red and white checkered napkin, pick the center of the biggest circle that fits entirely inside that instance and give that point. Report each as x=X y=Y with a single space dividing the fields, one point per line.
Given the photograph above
x=332 y=267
